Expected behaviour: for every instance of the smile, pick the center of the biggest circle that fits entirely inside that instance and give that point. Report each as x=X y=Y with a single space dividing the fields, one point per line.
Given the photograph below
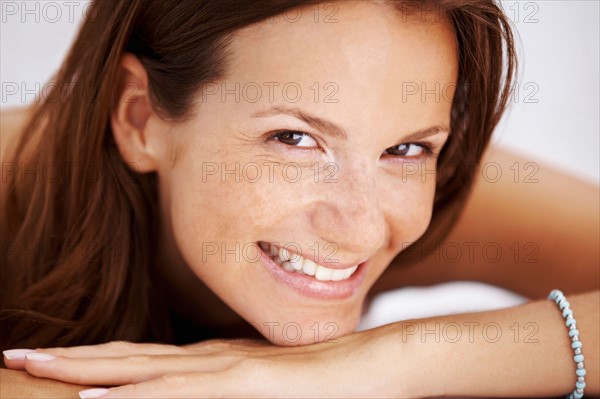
x=337 y=281
x=293 y=262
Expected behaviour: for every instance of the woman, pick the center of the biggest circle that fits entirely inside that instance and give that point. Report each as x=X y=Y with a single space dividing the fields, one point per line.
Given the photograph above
x=228 y=170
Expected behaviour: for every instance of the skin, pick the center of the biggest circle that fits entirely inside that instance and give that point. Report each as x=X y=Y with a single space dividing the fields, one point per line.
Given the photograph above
x=367 y=213
x=304 y=212
x=21 y=385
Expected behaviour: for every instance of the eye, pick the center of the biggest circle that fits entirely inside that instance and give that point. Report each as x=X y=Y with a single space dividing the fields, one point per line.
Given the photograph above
x=410 y=150
x=296 y=139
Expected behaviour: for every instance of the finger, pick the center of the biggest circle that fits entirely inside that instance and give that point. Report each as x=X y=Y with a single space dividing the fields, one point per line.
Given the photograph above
x=121 y=370
x=114 y=349
x=14 y=364
x=221 y=345
x=15 y=358
x=124 y=348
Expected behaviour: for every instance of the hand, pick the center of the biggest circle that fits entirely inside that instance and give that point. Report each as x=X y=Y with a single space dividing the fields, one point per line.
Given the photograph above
x=356 y=365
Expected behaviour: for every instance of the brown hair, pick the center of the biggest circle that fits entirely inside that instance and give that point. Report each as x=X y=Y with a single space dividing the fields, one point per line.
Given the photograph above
x=77 y=260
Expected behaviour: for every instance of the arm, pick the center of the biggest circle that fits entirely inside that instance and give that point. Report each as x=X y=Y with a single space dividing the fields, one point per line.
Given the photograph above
x=547 y=232
x=514 y=352
x=11 y=121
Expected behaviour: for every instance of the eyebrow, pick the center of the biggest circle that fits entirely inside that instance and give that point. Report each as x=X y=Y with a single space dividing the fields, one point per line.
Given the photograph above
x=336 y=131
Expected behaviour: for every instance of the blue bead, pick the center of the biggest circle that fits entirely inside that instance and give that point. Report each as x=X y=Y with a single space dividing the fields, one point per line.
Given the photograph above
x=555 y=294
x=578 y=358
x=563 y=304
x=557 y=298
x=577 y=395
x=573 y=332
x=569 y=322
x=567 y=311
x=576 y=344
x=580 y=372
x=580 y=385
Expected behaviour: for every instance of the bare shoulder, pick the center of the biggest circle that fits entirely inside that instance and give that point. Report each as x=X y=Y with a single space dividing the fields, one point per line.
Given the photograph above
x=533 y=214
x=11 y=123
x=20 y=385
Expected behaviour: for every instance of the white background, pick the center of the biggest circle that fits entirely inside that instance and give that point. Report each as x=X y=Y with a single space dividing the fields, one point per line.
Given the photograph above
x=559 y=57
x=554 y=117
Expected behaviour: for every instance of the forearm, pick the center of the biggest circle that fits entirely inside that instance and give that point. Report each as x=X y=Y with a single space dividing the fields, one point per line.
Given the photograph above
x=543 y=221
x=515 y=352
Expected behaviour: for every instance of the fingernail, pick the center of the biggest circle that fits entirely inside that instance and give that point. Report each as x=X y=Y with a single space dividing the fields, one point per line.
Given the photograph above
x=93 y=393
x=16 y=354
x=41 y=357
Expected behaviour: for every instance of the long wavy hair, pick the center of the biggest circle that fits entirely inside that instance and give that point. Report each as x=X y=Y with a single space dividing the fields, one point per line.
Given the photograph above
x=78 y=234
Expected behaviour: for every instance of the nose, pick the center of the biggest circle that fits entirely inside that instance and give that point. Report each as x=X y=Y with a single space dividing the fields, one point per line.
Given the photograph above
x=348 y=213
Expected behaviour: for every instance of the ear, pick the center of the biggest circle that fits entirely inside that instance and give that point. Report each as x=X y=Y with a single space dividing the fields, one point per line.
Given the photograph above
x=130 y=116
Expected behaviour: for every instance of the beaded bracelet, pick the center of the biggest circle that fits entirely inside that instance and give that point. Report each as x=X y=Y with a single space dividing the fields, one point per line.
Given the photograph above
x=564 y=305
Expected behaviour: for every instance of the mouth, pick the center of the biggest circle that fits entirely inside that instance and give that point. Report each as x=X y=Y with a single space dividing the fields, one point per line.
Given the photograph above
x=335 y=281
x=293 y=262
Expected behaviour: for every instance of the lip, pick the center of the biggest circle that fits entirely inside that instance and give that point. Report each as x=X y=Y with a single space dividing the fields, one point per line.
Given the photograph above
x=309 y=286
x=319 y=260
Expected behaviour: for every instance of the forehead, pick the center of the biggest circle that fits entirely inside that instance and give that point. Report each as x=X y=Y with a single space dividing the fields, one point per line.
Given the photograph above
x=365 y=55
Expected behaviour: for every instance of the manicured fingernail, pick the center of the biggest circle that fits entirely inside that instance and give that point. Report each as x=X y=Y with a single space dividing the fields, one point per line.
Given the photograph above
x=93 y=393
x=41 y=357
x=16 y=354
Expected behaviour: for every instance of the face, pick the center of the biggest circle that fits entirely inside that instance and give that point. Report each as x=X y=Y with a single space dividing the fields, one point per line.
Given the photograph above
x=311 y=164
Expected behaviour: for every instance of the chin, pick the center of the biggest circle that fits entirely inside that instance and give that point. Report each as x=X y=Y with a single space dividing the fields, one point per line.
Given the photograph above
x=306 y=329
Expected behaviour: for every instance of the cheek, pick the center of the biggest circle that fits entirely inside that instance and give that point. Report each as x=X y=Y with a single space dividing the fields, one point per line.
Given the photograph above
x=215 y=209
x=408 y=205
x=202 y=214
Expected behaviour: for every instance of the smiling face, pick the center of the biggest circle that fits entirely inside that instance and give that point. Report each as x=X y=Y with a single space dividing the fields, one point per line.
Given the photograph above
x=321 y=140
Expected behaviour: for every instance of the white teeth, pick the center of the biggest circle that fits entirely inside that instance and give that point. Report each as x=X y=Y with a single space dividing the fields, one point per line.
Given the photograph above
x=323 y=273
x=288 y=266
x=340 y=274
x=293 y=262
x=284 y=254
x=297 y=263
x=309 y=267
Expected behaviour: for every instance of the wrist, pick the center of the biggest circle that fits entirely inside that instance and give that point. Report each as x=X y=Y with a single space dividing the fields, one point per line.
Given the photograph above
x=512 y=352
x=411 y=365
